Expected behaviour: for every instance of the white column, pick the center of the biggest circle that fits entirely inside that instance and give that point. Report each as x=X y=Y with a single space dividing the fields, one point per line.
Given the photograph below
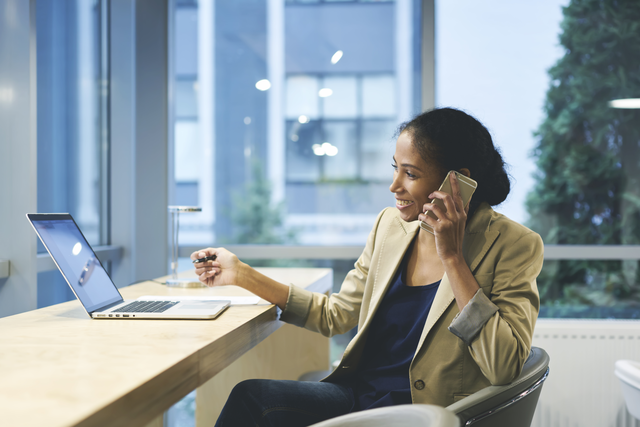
x=206 y=115
x=275 y=105
x=18 y=154
x=87 y=118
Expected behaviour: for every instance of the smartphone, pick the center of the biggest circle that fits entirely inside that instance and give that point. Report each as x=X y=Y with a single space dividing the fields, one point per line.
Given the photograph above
x=467 y=187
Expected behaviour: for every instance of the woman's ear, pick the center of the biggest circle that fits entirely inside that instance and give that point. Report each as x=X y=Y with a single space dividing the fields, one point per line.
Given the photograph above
x=466 y=172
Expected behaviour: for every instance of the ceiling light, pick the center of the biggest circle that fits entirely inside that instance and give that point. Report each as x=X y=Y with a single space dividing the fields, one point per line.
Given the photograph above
x=627 y=103
x=332 y=150
x=263 y=85
x=336 y=57
x=303 y=119
x=329 y=149
x=324 y=92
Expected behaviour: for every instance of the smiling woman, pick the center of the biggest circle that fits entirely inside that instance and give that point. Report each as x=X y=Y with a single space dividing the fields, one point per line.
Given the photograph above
x=463 y=299
x=413 y=180
x=449 y=139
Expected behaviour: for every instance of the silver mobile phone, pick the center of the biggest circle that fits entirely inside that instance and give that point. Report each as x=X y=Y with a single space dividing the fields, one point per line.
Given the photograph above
x=467 y=187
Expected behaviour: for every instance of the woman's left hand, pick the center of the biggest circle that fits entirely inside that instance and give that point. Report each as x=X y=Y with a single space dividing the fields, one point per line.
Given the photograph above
x=449 y=227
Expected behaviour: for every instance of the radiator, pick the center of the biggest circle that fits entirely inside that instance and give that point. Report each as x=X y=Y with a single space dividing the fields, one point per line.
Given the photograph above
x=581 y=389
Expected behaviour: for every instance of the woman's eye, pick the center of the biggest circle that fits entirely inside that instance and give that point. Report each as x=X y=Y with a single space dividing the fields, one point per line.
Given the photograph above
x=410 y=175
x=394 y=166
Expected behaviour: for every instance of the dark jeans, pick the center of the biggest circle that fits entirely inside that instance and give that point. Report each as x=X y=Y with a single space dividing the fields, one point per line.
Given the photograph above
x=270 y=403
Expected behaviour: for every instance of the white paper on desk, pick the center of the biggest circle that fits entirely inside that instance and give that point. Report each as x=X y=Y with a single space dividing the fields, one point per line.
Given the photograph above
x=235 y=300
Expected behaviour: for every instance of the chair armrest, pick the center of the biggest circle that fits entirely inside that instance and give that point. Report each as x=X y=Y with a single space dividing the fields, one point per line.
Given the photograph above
x=495 y=398
x=396 y=416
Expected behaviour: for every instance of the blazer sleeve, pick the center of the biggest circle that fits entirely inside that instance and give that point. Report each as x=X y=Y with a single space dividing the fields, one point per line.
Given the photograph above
x=339 y=312
x=499 y=329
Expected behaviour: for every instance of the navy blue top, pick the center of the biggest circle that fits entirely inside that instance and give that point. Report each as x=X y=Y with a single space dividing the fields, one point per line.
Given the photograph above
x=383 y=376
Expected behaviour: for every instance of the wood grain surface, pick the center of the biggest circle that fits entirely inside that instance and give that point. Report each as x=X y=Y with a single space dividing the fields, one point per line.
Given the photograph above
x=58 y=367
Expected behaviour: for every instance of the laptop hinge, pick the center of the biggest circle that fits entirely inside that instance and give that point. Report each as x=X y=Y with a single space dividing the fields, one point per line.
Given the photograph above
x=107 y=307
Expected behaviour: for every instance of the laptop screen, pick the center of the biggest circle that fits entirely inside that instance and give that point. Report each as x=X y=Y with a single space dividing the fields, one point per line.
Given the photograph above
x=76 y=260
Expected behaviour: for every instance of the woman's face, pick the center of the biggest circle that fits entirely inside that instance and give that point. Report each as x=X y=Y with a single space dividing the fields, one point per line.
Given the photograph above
x=413 y=179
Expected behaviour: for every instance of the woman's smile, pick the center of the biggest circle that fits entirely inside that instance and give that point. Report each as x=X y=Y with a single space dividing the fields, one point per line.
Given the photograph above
x=403 y=204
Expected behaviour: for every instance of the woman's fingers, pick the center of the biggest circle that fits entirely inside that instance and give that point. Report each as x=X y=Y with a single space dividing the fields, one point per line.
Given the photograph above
x=437 y=210
x=203 y=253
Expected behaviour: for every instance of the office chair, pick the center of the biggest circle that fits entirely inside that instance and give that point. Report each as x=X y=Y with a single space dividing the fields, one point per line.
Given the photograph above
x=495 y=406
x=508 y=405
x=628 y=372
x=396 y=416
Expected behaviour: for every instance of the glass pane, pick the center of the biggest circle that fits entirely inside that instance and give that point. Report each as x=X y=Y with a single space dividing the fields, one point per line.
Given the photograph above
x=186 y=99
x=302 y=97
x=590 y=289
x=339 y=151
x=186 y=143
x=378 y=96
x=378 y=147
x=343 y=101
x=69 y=112
x=304 y=164
x=574 y=150
x=474 y=73
x=186 y=33
x=72 y=123
x=262 y=119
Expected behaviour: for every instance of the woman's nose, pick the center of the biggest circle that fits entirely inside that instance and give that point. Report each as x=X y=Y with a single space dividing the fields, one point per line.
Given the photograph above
x=395 y=185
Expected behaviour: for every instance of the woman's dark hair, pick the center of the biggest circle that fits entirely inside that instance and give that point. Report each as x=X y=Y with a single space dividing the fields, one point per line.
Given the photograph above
x=452 y=140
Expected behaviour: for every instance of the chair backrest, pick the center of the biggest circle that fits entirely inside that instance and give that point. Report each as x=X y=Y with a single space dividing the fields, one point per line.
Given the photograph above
x=509 y=405
x=396 y=416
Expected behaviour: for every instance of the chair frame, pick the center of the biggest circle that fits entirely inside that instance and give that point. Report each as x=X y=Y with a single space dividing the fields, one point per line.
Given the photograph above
x=505 y=405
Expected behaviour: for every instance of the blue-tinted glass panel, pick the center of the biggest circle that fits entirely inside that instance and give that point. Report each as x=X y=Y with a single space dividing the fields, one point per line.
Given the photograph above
x=71 y=115
x=186 y=46
x=69 y=112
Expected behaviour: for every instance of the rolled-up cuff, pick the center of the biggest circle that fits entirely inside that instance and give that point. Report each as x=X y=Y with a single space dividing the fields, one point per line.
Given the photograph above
x=469 y=322
x=298 y=305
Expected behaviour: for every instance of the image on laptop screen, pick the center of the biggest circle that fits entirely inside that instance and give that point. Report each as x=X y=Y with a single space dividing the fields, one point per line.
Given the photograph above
x=76 y=259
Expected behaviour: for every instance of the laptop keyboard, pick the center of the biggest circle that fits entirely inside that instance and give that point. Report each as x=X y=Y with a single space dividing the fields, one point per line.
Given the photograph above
x=146 y=307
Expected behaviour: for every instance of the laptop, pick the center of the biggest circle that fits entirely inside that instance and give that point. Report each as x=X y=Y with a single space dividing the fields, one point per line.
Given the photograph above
x=91 y=284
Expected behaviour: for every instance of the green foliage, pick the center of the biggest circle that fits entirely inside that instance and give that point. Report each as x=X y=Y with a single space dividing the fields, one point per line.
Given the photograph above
x=257 y=221
x=588 y=183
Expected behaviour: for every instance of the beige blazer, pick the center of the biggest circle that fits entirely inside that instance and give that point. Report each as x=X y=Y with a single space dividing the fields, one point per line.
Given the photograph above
x=505 y=259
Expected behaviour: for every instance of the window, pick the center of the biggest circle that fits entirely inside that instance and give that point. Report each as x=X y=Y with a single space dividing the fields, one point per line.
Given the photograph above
x=302 y=97
x=547 y=98
x=328 y=138
x=72 y=101
x=284 y=117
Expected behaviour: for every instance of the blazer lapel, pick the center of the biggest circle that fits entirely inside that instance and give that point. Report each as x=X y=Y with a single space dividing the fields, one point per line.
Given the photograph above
x=398 y=238
x=479 y=237
x=477 y=242
x=444 y=297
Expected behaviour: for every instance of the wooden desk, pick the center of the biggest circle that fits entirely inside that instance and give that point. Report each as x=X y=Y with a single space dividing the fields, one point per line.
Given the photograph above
x=60 y=368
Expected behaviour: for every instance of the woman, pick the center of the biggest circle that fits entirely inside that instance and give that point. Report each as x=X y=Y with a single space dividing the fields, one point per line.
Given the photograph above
x=439 y=316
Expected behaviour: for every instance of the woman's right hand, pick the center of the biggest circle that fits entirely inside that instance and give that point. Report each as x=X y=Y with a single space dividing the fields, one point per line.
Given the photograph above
x=222 y=271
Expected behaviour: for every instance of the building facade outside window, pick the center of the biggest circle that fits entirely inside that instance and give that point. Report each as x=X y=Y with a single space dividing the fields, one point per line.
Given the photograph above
x=313 y=145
